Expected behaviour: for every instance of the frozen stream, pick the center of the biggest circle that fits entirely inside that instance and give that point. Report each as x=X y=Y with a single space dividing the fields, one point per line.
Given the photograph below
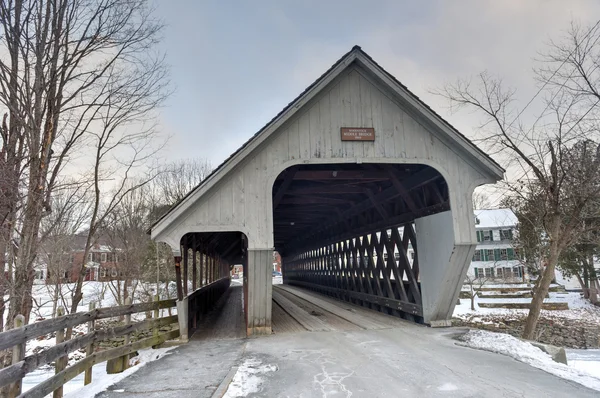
x=588 y=360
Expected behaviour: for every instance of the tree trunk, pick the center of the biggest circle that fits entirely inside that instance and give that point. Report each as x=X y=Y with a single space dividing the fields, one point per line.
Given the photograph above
x=540 y=291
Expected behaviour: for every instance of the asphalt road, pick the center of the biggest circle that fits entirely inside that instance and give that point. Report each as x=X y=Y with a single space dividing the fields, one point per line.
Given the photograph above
x=411 y=361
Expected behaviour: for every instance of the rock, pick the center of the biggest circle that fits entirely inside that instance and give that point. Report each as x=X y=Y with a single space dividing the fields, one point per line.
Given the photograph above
x=558 y=354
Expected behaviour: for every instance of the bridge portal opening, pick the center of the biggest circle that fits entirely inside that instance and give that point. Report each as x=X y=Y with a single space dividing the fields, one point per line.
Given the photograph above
x=347 y=231
x=204 y=275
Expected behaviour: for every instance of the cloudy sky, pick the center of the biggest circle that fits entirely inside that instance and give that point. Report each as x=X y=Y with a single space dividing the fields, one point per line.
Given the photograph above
x=236 y=64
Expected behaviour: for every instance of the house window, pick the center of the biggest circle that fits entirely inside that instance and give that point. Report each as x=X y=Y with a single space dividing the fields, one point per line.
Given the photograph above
x=385 y=256
x=487 y=235
x=499 y=273
x=479 y=272
x=489 y=255
x=397 y=256
x=489 y=272
x=507 y=272
x=477 y=255
x=517 y=253
x=503 y=254
x=517 y=272
x=103 y=272
x=505 y=234
x=103 y=257
x=412 y=255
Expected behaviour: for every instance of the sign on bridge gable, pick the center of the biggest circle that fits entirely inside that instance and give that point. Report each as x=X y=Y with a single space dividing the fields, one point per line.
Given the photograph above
x=358 y=134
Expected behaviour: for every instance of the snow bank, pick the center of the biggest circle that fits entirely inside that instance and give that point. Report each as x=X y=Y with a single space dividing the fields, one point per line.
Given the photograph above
x=248 y=378
x=524 y=352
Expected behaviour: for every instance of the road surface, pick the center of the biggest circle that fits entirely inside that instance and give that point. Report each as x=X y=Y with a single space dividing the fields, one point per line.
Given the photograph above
x=400 y=360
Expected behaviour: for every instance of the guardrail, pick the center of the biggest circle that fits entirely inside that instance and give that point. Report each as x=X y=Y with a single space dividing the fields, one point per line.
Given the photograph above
x=198 y=303
x=18 y=337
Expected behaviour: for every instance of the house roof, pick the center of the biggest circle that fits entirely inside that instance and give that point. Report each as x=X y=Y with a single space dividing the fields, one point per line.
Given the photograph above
x=356 y=53
x=495 y=218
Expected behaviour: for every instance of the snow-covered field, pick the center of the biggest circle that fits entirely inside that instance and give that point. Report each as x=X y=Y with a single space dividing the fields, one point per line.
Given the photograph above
x=577 y=307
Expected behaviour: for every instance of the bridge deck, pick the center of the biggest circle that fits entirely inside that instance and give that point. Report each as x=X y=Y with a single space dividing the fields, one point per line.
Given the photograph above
x=364 y=354
x=294 y=310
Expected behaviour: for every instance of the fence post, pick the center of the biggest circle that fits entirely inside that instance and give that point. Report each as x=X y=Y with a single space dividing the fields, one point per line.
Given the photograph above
x=89 y=350
x=127 y=337
x=60 y=362
x=119 y=364
x=17 y=355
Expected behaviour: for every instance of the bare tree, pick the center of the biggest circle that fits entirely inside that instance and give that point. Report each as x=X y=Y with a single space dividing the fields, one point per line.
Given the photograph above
x=178 y=178
x=542 y=151
x=58 y=240
x=72 y=65
x=481 y=201
x=476 y=282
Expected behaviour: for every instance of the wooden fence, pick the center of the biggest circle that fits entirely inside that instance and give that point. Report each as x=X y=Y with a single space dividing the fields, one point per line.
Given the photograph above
x=22 y=365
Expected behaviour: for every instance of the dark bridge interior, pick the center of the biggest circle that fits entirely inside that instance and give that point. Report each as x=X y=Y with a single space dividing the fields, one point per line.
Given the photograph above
x=346 y=230
x=319 y=204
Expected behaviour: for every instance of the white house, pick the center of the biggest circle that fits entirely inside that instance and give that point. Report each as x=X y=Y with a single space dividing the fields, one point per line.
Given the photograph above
x=496 y=258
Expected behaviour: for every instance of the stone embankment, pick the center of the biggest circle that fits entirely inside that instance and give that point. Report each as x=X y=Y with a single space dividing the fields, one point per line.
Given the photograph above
x=580 y=329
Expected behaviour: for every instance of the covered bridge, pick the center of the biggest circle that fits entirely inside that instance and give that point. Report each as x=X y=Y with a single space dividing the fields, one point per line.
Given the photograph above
x=362 y=188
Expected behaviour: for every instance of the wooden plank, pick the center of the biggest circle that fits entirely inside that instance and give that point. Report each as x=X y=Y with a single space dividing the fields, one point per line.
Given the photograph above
x=405 y=265
x=17 y=355
x=51 y=384
x=134 y=308
x=309 y=322
x=409 y=308
x=398 y=276
x=61 y=363
x=22 y=334
x=32 y=362
x=336 y=310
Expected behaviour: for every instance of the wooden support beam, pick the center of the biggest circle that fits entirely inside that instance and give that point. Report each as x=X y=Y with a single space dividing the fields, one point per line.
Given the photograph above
x=236 y=243
x=307 y=200
x=325 y=189
x=376 y=203
x=186 y=256
x=340 y=175
x=178 y=278
x=194 y=265
x=402 y=190
x=287 y=180
x=414 y=181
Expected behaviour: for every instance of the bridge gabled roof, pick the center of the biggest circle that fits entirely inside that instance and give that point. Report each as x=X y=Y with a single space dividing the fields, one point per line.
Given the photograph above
x=356 y=55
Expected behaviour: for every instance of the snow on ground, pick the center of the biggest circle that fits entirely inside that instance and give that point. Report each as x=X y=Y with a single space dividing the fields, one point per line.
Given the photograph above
x=101 y=294
x=586 y=360
x=525 y=352
x=579 y=308
x=248 y=378
x=100 y=379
